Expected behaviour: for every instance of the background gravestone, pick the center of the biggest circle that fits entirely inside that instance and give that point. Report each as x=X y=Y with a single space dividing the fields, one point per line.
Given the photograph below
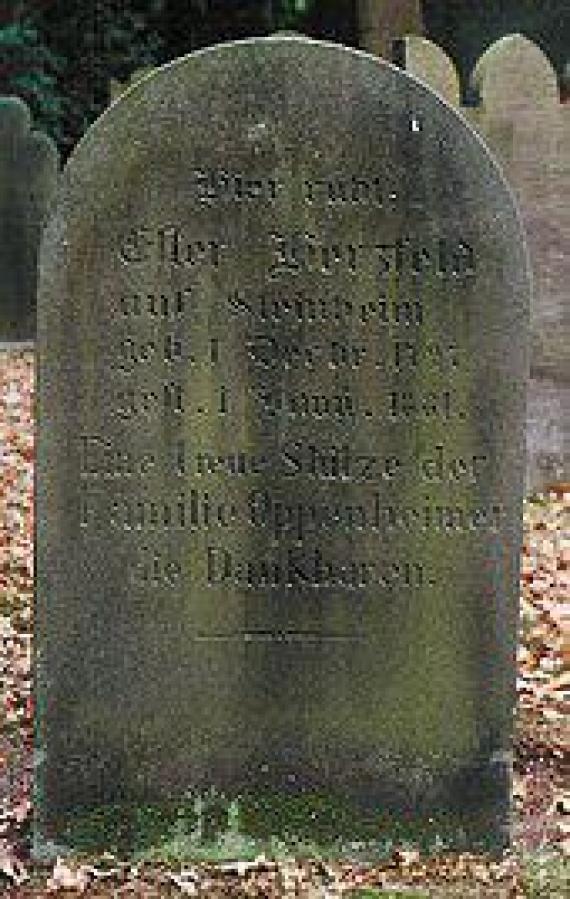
x=430 y=64
x=526 y=125
x=282 y=368
x=28 y=176
x=521 y=118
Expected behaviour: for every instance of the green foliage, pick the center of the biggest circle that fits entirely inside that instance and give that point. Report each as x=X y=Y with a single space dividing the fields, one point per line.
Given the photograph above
x=29 y=70
x=97 y=41
x=291 y=12
x=61 y=56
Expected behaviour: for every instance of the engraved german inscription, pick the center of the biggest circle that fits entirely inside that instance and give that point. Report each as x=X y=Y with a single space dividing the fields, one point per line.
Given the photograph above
x=281 y=323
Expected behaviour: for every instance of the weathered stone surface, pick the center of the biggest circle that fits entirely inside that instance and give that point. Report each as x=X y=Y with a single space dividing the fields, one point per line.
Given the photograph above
x=28 y=176
x=282 y=369
x=548 y=432
x=526 y=126
x=432 y=65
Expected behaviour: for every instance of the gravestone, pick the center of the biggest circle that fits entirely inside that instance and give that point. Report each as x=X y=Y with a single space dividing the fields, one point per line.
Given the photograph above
x=28 y=175
x=428 y=62
x=524 y=123
x=282 y=368
x=520 y=117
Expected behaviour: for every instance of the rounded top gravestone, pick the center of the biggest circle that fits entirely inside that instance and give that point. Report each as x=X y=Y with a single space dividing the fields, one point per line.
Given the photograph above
x=28 y=180
x=282 y=366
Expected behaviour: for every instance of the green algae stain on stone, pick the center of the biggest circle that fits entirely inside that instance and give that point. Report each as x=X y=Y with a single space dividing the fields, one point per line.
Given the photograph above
x=282 y=333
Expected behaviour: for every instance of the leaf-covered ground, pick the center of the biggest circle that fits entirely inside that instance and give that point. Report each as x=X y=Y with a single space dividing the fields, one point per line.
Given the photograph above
x=536 y=866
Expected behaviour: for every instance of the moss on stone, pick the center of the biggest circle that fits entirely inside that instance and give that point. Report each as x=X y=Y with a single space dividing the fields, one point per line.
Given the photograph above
x=214 y=826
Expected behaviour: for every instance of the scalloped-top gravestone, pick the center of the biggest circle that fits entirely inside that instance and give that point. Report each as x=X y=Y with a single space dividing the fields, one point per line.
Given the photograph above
x=28 y=177
x=282 y=367
x=528 y=128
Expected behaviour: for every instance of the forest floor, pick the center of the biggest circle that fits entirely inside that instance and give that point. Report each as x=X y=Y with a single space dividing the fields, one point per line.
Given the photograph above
x=537 y=864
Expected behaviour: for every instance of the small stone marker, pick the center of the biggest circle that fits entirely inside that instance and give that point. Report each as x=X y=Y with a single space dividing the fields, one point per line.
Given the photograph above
x=28 y=176
x=282 y=369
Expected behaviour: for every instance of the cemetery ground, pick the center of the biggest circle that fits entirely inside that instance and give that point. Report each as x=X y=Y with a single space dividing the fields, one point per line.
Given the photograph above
x=537 y=864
